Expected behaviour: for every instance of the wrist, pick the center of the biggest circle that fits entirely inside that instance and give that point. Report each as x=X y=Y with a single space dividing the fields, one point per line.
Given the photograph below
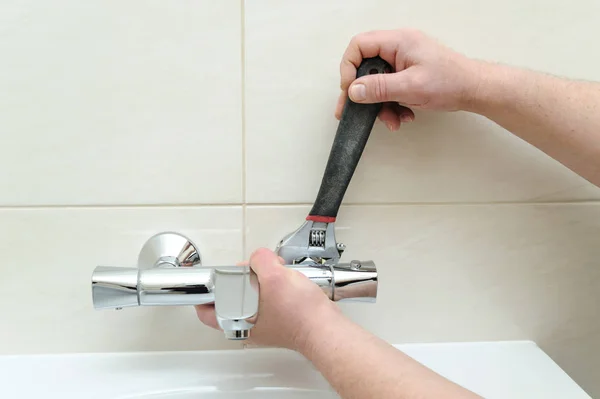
x=497 y=86
x=477 y=85
x=321 y=323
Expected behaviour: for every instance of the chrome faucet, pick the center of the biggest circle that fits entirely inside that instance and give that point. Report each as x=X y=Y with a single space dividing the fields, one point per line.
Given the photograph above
x=170 y=273
x=169 y=268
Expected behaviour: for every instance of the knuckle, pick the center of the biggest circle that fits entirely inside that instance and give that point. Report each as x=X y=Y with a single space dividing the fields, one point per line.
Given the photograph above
x=355 y=40
x=370 y=34
x=359 y=36
x=410 y=38
x=414 y=32
x=362 y=38
x=410 y=33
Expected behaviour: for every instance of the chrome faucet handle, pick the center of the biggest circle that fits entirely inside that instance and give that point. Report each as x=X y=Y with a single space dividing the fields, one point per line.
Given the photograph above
x=236 y=300
x=169 y=249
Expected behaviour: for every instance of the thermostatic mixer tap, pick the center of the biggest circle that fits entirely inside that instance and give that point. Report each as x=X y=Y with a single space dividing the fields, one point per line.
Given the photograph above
x=169 y=268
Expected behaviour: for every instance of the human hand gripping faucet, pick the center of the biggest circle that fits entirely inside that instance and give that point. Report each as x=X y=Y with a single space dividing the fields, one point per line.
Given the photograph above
x=559 y=116
x=294 y=313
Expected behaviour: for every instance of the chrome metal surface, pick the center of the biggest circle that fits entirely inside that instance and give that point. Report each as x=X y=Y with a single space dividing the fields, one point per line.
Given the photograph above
x=313 y=242
x=176 y=286
x=233 y=289
x=114 y=287
x=171 y=279
x=237 y=334
x=344 y=282
x=236 y=300
x=317 y=237
x=355 y=281
x=169 y=250
x=341 y=247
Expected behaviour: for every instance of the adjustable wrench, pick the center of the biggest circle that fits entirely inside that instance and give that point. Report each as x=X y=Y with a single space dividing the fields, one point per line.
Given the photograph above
x=314 y=242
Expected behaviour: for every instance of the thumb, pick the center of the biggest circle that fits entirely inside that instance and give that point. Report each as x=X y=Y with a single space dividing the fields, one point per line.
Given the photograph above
x=265 y=262
x=384 y=87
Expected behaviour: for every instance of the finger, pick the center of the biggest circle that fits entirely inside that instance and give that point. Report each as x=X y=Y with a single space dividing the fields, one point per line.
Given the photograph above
x=243 y=263
x=340 y=104
x=206 y=314
x=264 y=261
x=281 y=260
x=393 y=115
x=403 y=114
x=398 y=87
x=406 y=114
x=389 y=116
x=365 y=45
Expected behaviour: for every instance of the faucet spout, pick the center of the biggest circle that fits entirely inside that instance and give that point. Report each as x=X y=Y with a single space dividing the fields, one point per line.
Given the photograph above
x=233 y=290
x=115 y=287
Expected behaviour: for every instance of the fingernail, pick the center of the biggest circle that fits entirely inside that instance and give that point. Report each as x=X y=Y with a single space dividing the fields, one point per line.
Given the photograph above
x=406 y=118
x=358 y=92
x=391 y=127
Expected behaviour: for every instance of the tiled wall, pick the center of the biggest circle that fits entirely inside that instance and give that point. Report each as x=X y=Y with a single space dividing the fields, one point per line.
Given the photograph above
x=120 y=119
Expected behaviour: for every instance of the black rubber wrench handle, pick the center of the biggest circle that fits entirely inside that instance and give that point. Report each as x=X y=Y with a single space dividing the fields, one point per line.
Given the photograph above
x=351 y=137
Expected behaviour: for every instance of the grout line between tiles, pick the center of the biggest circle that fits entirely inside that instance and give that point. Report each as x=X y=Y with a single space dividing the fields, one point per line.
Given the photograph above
x=244 y=240
x=243 y=110
x=442 y=203
x=244 y=206
x=244 y=165
x=243 y=93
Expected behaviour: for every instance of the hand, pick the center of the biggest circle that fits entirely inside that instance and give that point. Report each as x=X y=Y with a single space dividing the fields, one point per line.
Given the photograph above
x=427 y=75
x=290 y=305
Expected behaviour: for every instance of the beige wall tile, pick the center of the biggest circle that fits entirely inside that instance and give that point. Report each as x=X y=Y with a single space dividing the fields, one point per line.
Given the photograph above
x=129 y=103
x=293 y=50
x=47 y=262
x=120 y=102
x=469 y=273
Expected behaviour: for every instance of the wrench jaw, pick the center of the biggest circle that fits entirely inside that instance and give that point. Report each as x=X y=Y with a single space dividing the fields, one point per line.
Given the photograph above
x=312 y=243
